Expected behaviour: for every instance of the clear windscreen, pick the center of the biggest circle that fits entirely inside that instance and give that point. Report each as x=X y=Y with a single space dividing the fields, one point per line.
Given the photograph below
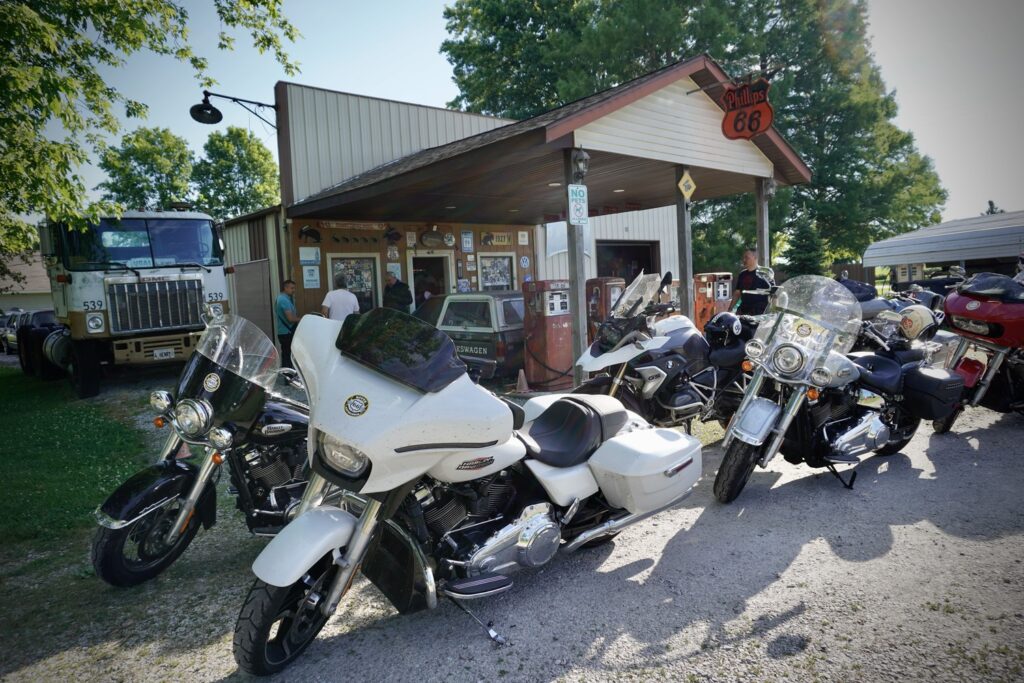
x=240 y=347
x=815 y=312
x=639 y=292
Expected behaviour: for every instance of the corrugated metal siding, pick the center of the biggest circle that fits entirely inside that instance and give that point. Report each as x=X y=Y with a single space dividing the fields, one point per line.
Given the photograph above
x=651 y=225
x=253 y=240
x=334 y=136
x=981 y=237
x=672 y=126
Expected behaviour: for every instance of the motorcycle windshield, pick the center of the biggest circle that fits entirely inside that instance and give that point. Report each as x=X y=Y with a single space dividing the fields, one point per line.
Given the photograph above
x=237 y=345
x=640 y=291
x=404 y=348
x=815 y=313
x=995 y=286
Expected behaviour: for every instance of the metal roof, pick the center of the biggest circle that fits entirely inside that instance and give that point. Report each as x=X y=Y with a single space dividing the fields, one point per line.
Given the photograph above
x=188 y=215
x=999 y=235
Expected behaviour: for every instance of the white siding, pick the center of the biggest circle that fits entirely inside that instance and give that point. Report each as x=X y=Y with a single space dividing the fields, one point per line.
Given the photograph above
x=672 y=126
x=334 y=136
x=651 y=225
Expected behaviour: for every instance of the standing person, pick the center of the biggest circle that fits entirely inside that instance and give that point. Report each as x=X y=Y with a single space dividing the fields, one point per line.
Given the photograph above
x=339 y=302
x=396 y=293
x=749 y=304
x=287 y=318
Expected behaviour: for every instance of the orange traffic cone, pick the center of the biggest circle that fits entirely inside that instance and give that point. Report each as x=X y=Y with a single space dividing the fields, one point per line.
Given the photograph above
x=521 y=385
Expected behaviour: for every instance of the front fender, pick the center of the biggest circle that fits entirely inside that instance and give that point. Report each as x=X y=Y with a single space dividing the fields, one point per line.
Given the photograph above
x=302 y=543
x=152 y=488
x=756 y=422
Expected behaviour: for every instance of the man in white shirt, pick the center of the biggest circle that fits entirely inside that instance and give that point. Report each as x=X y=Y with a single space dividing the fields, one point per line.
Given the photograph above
x=339 y=302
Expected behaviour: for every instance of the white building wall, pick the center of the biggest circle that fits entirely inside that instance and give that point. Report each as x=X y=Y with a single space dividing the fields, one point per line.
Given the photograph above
x=650 y=225
x=672 y=126
x=334 y=136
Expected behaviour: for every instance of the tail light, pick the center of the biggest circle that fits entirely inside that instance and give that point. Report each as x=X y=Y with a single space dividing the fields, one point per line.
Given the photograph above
x=971 y=369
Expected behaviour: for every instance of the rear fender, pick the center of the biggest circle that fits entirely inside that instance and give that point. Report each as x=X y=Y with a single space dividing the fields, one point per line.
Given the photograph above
x=756 y=422
x=152 y=488
x=302 y=543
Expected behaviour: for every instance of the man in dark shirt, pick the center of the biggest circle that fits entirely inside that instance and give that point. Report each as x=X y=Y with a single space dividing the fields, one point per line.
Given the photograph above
x=396 y=294
x=750 y=304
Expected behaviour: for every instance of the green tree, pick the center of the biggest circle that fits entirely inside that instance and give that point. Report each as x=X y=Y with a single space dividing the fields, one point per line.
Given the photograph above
x=237 y=176
x=870 y=182
x=149 y=170
x=55 y=105
x=805 y=252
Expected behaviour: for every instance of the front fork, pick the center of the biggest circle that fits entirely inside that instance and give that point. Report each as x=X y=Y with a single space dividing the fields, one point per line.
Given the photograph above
x=997 y=356
x=354 y=554
x=210 y=464
x=753 y=388
x=617 y=380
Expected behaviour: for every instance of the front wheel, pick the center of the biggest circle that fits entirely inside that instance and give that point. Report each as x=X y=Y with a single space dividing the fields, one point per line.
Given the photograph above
x=735 y=470
x=138 y=552
x=277 y=624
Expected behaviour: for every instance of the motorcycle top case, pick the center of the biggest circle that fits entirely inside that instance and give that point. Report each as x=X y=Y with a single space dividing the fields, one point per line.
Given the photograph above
x=932 y=393
x=646 y=469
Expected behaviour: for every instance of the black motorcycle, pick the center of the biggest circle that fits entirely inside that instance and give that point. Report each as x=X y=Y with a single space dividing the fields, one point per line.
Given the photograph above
x=236 y=407
x=663 y=368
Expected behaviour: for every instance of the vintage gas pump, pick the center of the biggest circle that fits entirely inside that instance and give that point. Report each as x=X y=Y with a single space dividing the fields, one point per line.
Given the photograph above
x=712 y=294
x=547 y=334
x=602 y=293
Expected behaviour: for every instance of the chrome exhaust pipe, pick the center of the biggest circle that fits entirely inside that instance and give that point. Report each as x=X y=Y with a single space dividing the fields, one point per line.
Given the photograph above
x=618 y=524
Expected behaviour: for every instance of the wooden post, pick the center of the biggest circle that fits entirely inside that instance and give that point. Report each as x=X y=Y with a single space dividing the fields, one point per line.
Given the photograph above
x=577 y=274
x=764 y=254
x=685 y=274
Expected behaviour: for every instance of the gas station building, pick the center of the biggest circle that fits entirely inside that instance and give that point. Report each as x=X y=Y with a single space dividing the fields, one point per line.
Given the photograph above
x=450 y=201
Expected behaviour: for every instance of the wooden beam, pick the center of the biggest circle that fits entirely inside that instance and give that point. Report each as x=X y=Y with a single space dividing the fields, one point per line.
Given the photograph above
x=577 y=273
x=764 y=254
x=686 y=303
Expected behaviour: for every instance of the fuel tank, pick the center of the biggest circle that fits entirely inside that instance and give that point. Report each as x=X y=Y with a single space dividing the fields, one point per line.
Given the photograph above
x=685 y=340
x=279 y=423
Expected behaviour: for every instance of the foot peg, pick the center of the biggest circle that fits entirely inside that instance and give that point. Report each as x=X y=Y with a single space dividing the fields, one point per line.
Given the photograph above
x=475 y=587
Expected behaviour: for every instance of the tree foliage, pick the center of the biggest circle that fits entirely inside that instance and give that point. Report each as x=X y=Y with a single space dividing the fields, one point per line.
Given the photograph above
x=51 y=56
x=518 y=58
x=805 y=251
x=237 y=176
x=151 y=169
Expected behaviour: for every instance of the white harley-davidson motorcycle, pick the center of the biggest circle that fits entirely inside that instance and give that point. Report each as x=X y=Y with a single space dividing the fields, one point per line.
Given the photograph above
x=451 y=488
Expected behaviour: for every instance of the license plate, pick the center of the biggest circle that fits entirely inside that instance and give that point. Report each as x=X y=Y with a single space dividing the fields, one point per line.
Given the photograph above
x=163 y=354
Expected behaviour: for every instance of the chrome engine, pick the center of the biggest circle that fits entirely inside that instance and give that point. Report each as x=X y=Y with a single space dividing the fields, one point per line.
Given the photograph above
x=529 y=541
x=870 y=434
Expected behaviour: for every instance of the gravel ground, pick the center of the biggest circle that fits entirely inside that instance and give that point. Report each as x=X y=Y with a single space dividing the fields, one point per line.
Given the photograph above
x=915 y=574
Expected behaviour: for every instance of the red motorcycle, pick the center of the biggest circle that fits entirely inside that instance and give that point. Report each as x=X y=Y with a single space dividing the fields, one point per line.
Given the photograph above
x=987 y=311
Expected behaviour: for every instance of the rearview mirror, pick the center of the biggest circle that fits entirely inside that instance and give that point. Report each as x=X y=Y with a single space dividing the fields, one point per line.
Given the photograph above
x=765 y=273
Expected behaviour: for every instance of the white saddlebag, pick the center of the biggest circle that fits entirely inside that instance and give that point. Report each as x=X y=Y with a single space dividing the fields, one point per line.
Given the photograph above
x=646 y=469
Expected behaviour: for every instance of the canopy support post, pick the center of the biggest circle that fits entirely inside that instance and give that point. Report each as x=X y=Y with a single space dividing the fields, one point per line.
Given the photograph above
x=685 y=274
x=764 y=192
x=577 y=274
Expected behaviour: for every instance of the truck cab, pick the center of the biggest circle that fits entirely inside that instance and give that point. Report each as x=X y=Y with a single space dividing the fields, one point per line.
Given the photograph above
x=130 y=290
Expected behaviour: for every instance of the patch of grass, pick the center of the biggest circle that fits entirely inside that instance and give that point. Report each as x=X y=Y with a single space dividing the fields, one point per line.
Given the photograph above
x=59 y=459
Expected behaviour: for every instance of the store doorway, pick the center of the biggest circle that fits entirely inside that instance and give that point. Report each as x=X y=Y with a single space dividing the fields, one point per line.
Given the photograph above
x=430 y=277
x=627 y=259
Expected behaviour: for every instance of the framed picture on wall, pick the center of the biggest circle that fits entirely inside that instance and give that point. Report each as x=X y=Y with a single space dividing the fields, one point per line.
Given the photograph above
x=362 y=273
x=497 y=271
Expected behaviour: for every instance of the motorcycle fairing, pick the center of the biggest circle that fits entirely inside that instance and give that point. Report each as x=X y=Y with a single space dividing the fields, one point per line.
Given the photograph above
x=593 y=360
x=150 y=489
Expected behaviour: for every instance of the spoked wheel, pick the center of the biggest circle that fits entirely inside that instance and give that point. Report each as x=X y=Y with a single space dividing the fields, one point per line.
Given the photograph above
x=136 y=553
x=277 y=624
x=902 y=433
x=735 y=470
x=945 y=424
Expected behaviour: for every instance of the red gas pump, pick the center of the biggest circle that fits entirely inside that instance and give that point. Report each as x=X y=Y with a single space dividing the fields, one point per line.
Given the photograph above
x=602 y=294
x=712 y=294
x=547 y=332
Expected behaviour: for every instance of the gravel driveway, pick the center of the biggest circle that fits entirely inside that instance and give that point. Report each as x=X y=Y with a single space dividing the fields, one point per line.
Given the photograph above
x=915 y=574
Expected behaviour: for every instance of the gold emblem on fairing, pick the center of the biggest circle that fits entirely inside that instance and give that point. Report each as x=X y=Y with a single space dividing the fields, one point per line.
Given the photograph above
x=356 y=405
x=211 y=382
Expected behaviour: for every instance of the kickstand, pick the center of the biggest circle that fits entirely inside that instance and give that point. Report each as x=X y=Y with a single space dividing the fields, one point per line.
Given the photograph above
x=847 y=483
x=491 y=633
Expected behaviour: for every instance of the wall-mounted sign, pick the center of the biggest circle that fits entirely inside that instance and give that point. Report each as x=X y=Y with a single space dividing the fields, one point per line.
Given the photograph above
x=524 y=238
x=687 y=186
x=392 y=252
x=449 y=239
x=432 y=239
x=410 y=239
x=311 y=277
x=747 y=111
x=348 y=225
x=309 y=256
x=496 y=239
x=467 y=241
x=578 y=211
x=524 y=261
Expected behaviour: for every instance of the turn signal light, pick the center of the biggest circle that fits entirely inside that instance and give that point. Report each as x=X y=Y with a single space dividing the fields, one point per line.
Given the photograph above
x=813 y=394
x=159 y=422
x=217 y=458
x=747 y=366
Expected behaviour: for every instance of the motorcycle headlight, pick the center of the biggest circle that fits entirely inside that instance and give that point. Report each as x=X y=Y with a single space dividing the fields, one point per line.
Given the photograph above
x=160 y=401
x=969 y=325
x=221 y=438
x=788 y=359
x=193 y=417
x=95 y=322
x=217 y=310
x=754 y=349
x=821 y=376
x=341 y=456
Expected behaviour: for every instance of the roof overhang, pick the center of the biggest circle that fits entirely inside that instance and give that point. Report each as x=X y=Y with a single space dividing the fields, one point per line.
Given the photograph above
x=983 y=237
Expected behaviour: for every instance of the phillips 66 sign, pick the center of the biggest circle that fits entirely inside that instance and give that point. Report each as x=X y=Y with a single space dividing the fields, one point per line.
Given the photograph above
x=747 y=111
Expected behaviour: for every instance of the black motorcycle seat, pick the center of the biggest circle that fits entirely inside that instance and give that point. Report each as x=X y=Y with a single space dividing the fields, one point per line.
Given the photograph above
x=569 y=431
x=728 y=356
x=879 y=373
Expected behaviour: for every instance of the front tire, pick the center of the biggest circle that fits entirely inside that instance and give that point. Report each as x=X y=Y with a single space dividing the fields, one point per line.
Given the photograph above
x=277 y=624
x=136 y=553
x=735 y=470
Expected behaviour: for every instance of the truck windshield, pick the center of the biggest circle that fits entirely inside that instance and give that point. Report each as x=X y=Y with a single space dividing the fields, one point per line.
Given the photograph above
x=149 y=243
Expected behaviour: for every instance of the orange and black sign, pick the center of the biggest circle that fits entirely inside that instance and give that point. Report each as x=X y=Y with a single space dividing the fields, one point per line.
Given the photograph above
x=747 y=111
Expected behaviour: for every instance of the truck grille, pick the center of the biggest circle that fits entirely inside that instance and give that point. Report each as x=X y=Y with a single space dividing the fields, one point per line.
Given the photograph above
x=146 y=306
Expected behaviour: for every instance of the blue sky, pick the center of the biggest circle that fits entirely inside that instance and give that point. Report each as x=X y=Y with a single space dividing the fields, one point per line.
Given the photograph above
x=955 y=67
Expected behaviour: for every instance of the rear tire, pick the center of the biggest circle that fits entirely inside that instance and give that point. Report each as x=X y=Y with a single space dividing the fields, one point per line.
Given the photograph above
x=735 y=470
x=944 y=425
x=85 y=369
x=896 y=446
x=277 y=624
